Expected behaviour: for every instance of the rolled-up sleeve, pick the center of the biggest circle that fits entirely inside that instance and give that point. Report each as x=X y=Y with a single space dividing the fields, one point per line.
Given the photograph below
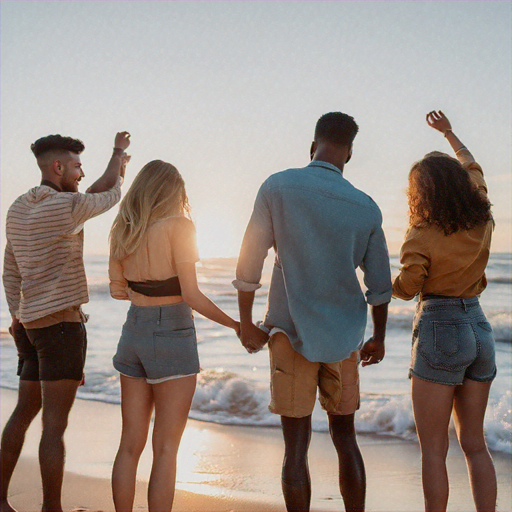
x=474 y=169
x=376 y=268
x=258 y=239
x=415 y=264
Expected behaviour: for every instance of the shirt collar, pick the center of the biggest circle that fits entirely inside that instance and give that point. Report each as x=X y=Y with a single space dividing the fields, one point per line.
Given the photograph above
x=48 y=183
x=325 y=165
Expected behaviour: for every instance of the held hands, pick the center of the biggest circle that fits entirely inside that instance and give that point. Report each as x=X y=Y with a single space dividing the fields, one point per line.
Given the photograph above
x=124 y=161
x=121 y=143
x=439 y=121
x=252 y=338
x=236 y=328
x=372 y=352
x=122 y=140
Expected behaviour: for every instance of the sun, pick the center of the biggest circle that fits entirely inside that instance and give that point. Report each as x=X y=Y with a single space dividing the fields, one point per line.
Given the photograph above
x=216 y=235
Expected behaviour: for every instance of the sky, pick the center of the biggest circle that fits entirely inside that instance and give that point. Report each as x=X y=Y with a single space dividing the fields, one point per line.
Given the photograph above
x=230 y=91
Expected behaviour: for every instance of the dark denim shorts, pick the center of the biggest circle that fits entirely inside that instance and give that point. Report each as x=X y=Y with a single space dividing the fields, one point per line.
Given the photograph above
x=158 y=343
x=452 y=341
x=51 y=353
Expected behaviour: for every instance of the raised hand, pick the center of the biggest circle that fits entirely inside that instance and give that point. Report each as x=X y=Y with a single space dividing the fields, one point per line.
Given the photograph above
x=122 y=140
x=124 y=161
x=439 y=121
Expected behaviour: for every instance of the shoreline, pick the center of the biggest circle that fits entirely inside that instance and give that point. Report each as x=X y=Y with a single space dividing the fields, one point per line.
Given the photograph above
x=234 y=468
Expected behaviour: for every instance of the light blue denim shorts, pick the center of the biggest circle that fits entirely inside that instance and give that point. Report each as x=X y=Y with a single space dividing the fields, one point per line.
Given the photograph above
x=452 y=341
x=158 y=343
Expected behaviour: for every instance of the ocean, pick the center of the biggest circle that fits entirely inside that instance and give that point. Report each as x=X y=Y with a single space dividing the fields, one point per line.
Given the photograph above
x=233 y=386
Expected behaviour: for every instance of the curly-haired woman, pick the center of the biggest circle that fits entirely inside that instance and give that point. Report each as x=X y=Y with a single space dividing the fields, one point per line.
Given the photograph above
x=443 y=258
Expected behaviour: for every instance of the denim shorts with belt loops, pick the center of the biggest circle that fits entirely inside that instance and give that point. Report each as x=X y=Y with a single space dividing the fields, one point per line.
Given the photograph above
x=452 y=341
x=158 y=343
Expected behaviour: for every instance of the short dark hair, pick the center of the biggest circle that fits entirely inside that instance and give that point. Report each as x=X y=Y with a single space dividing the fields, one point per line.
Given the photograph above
x=56 y=143
x=337 y=128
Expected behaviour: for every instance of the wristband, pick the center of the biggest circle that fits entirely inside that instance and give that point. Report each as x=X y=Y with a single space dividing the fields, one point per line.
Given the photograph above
x=118 y=151
x=450 y=130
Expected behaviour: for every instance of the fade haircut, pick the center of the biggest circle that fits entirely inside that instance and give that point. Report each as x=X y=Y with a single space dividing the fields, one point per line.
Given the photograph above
x=337 y=128
x=56 y=143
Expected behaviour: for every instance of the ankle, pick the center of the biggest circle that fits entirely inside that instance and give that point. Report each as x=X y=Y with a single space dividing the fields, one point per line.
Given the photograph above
x=57 y=507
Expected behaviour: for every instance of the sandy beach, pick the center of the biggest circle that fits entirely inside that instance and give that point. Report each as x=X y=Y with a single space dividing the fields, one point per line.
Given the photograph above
x=229 y=468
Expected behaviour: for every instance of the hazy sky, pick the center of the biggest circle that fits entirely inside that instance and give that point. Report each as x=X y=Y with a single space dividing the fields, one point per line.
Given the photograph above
x=230 y=91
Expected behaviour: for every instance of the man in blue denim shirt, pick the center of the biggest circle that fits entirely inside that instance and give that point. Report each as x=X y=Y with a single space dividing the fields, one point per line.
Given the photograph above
x=322 y=229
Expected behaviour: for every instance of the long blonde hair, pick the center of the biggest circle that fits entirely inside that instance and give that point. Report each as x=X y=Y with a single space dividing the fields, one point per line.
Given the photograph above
x=157 y=192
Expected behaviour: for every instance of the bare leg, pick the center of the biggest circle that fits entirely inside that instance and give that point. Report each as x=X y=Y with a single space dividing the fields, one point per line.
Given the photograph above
x=136 y=410
x=351 y=466
x=29 y=404
x=432 y=405
x=172 y=405
x=295 y=478
x=58 y=397
x=469 y=411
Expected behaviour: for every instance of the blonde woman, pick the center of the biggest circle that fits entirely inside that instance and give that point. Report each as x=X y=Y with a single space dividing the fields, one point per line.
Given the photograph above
x=152 y=263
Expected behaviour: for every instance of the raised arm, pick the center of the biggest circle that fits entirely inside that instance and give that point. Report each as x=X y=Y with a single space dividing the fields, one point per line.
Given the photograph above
x=115 y=167
x=440 y=122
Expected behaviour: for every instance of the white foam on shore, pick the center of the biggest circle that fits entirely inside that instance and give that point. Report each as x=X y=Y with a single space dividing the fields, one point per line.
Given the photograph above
x=224 y=397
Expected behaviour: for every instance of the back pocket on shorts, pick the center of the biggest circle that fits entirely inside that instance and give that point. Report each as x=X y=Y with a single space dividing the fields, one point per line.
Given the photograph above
x=176 y=347
x=454 y=346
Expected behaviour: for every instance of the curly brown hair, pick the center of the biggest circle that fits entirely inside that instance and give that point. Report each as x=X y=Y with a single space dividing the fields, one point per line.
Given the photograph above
x=441 y=193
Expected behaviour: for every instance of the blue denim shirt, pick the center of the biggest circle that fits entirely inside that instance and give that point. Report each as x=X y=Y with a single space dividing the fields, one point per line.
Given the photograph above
x=322 y=228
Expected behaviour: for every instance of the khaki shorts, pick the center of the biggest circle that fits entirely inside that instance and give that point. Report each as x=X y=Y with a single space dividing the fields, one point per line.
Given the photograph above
x=294 y=381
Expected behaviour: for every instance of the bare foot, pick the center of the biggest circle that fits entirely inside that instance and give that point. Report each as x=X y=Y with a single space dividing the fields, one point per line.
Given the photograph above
x=6 y=507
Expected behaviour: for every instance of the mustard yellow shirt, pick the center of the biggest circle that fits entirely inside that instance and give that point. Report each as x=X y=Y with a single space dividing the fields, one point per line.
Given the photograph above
x=452 y=265
x=166 y=243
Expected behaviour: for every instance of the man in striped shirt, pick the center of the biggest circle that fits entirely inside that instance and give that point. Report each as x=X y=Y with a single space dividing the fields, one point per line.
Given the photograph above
x=45 y=285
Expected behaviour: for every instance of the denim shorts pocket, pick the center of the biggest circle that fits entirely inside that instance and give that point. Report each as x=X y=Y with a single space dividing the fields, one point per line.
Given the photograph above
x=485 y=339
x=448 y=345
x=485 y=325
x=177 y=345
x=446 y=338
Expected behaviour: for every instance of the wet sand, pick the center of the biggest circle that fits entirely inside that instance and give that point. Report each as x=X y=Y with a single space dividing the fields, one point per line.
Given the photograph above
x=230 y=468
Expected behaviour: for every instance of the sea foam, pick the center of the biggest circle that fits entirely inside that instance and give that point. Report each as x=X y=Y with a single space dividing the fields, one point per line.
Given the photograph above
x=227 y=398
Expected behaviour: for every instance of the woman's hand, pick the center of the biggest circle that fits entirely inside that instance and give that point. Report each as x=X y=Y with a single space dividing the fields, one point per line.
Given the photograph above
x=252 y=337
x=439 y=121
x=124 y=161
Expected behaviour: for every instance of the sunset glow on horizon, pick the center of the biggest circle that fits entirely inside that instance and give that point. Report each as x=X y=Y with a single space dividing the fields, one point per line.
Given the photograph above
x=230 y=92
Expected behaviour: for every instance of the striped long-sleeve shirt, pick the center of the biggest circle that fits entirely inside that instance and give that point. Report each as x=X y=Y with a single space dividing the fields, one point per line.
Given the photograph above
x=43 y=265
